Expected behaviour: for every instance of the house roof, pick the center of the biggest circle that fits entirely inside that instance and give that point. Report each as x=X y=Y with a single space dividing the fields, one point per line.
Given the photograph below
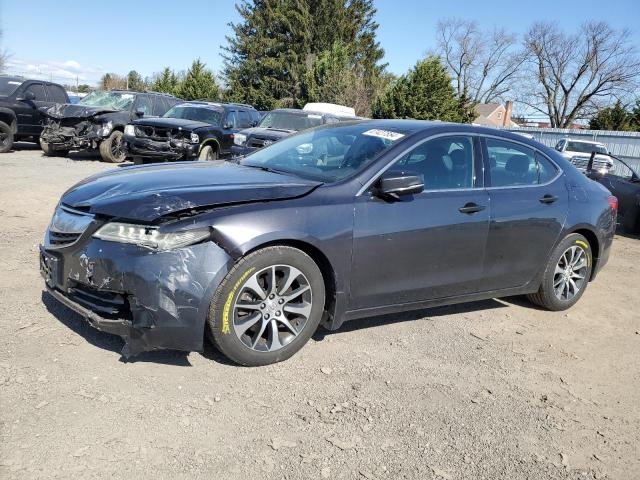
x=486 y=109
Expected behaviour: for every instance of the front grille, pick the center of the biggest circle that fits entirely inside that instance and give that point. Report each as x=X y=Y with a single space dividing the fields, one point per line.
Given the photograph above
x=259 y=142
x=581 y=163
x=110 y=304
x=59 y=239
x=159 y=134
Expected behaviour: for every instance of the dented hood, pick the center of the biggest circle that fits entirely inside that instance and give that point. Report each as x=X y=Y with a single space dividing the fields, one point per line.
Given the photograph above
x=168 y=122
x=70 y=110
x=146 y=193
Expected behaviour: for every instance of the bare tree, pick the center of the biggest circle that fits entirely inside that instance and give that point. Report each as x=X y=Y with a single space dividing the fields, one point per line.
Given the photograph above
x=483 y=64
x=571 y=74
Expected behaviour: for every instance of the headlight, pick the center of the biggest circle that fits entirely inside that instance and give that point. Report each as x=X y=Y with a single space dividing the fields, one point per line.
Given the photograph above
x=149 y=237
x=106 y=129
x=130 y=130
x=239 y=139
x=195 y=138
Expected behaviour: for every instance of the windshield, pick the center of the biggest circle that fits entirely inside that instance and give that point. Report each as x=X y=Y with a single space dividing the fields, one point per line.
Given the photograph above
x=198 y=114
x=327 y=154
x=584 y=147
x=8 y=85
x=290 y=120
x=111 y=100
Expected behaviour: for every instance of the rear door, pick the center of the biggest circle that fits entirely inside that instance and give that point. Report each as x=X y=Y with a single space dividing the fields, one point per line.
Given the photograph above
x=529 y=205
x=229 y=128
x=424 y=246
x=28 y=117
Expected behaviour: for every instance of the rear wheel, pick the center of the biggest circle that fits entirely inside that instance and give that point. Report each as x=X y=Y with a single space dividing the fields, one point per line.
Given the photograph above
x=566 y=275
x=6 y=137
x=208 y=153
x=112 y=148
x=267 y=307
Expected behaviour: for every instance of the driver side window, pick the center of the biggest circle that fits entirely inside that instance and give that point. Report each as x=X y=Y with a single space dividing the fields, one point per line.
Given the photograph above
x=445 y=163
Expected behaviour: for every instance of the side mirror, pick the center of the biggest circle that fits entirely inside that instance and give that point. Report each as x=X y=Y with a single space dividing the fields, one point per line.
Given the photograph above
x=28 y=96
x=397 y=184
x=139 y=112
x=227 y=126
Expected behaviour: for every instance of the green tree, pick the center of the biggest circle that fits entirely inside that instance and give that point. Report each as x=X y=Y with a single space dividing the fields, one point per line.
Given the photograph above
x=135 y=81
x=167 y=81
x=268 y=58
x=198 y=83
x=424 y=93
x=83 y=88
x=634 y=117
x=612 y=118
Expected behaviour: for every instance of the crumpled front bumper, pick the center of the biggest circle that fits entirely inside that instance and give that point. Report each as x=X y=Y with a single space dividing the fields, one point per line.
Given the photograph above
x=80 y=137
x=165 y=150
x=153 y=300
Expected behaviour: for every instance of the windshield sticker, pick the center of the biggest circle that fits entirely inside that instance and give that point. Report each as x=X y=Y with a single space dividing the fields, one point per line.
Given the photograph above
x=127 y=95
x=11 y=82
x=385 y=134
x=314 y=116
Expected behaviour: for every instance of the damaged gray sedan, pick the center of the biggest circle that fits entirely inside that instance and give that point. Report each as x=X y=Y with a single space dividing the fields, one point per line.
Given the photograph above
x=335 y=223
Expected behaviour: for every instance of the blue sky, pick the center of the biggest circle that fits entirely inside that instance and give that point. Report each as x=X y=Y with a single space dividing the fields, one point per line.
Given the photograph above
x=63 y=38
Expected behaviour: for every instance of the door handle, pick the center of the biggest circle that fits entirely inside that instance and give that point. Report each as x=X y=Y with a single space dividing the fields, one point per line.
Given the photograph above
x=471 y=207
x=548 y=199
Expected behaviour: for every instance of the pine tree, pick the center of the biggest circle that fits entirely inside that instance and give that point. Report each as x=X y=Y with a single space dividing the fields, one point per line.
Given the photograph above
x=424 y=93
x=612 y=118
x=198 y=83
x=135 y=81
x=269 y=57
x=166 y=81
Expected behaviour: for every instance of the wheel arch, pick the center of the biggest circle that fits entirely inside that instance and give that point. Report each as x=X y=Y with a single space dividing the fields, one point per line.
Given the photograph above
x=8 y=116
x=319 y=257
x=594 y=244
x=210 y=141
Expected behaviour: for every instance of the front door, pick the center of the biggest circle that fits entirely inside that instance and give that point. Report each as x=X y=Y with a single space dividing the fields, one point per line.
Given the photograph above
x=424 y=246
x=529 y=205
x=28 y=116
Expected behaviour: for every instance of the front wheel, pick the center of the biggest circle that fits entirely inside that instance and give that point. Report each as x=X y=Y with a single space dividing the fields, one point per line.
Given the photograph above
x=6 y=137
x=112 y=148
x=208 y=153
x=267 y=307
x=566 y=275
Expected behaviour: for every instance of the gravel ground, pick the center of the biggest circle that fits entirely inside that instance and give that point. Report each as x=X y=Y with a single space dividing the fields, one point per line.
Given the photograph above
x=489 y=390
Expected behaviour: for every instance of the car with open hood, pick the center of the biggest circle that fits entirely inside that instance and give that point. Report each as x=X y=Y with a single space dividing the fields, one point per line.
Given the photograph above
x=97 y=121
x=188 y=131
x=281 y=123
x=20 y=103
x=339 y=222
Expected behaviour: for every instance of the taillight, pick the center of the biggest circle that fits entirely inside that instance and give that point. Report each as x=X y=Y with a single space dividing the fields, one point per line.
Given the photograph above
x=613 y=202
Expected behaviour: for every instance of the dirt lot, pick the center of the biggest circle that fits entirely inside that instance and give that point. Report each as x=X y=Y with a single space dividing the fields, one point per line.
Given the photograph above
x=494 y=389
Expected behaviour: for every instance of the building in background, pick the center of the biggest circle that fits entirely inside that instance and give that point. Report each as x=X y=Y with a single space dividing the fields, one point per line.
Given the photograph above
x=494 y=115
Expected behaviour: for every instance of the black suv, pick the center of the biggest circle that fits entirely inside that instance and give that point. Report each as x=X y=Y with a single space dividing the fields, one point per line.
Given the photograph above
x=20 y=100
x=278 y=124
x=97 y=121
x=203 y=130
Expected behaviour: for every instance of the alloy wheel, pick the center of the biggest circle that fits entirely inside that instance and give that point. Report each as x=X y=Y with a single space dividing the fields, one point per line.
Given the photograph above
x=272 y=308
x=116 y=147
x=570 y=273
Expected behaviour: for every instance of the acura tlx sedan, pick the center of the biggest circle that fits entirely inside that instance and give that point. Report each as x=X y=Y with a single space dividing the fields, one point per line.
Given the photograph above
x=340 y=222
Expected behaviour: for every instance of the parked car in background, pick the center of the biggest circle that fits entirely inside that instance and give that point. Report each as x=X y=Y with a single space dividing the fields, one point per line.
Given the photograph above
x=396 y=215
x=579 y=152
x=624 y=182
x=20 y=101
x=190 y=130
x=283 y=122
x=97 y=121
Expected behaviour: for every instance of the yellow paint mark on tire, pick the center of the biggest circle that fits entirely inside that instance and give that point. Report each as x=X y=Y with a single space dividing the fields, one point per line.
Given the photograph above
x=584 y=244
x=227 y=305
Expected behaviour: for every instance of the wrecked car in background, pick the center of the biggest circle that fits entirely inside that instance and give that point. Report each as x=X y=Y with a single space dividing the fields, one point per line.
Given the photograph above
x=97 y=122
x=189 y=130
x=283 y=122
x=20 y=101
x=258 y=252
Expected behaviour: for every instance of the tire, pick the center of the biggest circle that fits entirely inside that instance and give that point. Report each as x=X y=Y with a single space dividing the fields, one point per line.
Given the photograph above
x=6 y=137
x=208 y=153
x=556 y=273
x=112 y=148
x=302 y=313
x=50 y=151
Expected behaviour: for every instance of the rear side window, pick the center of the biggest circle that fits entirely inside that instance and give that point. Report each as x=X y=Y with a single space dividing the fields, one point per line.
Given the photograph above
x=38 y=91
x=56 y=94
x=445 y=163
x=245 y=119
x=512 y=165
